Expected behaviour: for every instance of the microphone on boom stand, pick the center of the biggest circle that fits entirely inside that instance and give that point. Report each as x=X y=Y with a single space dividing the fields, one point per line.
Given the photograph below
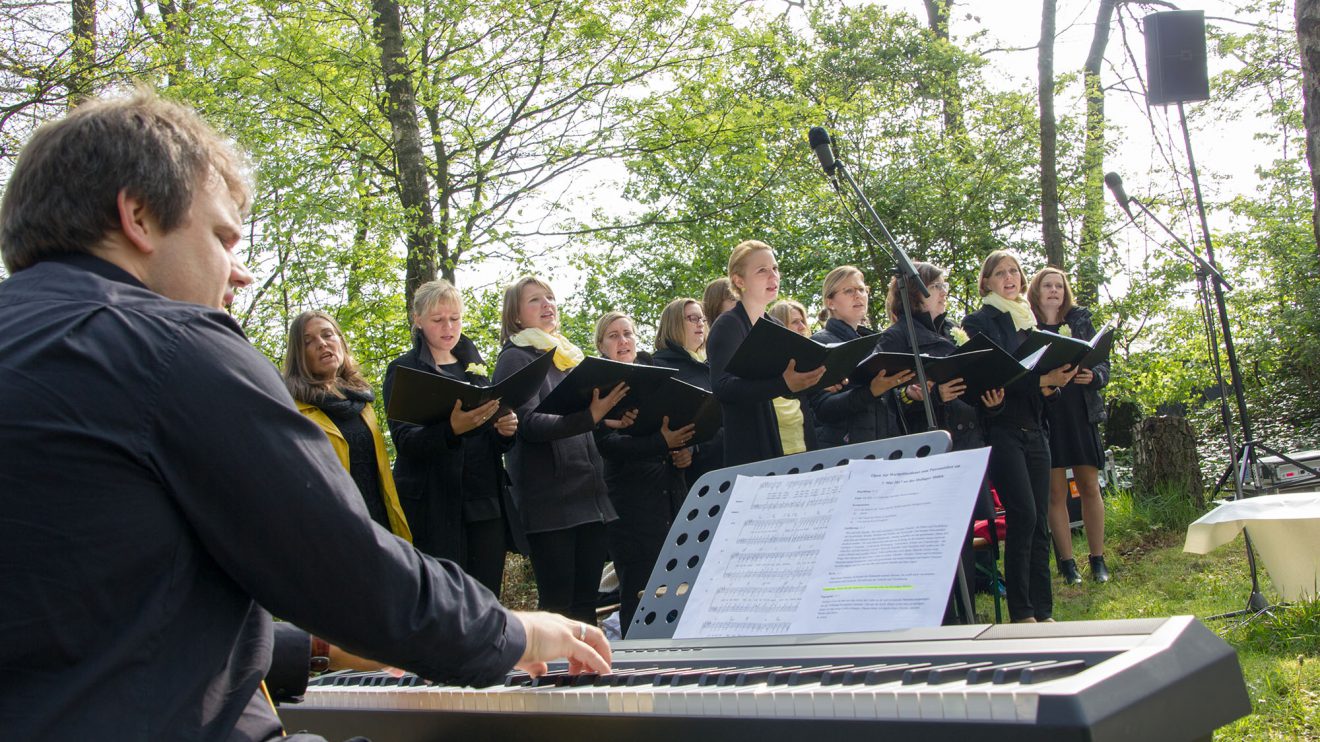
x=906 y=275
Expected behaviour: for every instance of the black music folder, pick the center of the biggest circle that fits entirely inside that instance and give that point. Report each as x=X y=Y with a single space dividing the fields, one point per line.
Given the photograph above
x=938 y=369
x=765 y=352
x=996 y=368
x=423 y=398
x=683 y=403
x=574 y=393
x=1067 y=351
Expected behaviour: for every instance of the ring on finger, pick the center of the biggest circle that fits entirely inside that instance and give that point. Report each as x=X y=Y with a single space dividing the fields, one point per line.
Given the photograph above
x=582 y=632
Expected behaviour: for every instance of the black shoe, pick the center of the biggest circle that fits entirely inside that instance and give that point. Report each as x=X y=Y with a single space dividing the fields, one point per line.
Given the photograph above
x=1099 y=572
x=1068 y=570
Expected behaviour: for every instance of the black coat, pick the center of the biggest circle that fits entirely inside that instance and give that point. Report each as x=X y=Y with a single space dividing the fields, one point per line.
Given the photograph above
x=1079 y=321
x=644 y=486
x=1024 y=405
x=707 y=456
x=556 y=471
x=751 y=429
x=961 y=417
x=445 y=480
x=852 y=415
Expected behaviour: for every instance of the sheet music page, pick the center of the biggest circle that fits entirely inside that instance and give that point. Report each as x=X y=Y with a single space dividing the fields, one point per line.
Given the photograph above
x=870 y=546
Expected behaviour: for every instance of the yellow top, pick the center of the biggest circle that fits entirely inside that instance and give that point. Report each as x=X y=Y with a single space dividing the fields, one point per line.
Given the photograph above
x=398 y=523
x=791 y=433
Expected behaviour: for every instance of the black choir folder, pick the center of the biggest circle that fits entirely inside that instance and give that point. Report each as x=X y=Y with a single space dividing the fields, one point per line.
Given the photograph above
x=1068 y=351
x=938 y=369
x=423 y=398
x=574 y=393
x=765 y=352
x=996 y=368
x=684 y=404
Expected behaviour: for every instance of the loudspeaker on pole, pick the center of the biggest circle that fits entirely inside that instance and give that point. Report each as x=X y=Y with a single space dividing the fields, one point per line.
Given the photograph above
x=1176 y=57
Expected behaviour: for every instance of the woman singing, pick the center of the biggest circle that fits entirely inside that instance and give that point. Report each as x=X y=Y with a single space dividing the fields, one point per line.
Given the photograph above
x=1074 y=429
x=753 y=431
x=1019 y=452
x=450 y=474
x=325 y=382
x=680 y=342
x=555 y=468
x=960 y=417
x=861 y=411
x=643 y=475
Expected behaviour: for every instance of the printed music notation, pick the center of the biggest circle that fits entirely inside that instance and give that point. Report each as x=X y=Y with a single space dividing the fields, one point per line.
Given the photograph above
x=869 y=546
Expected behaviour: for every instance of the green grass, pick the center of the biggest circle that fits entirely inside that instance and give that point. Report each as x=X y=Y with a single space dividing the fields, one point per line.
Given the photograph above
x=1153 y=576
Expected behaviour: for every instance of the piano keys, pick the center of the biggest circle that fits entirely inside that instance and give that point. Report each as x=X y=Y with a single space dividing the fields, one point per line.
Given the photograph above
x=1166 y=679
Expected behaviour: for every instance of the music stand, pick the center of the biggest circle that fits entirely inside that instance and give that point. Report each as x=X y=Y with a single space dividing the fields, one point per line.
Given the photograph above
x=690 y=536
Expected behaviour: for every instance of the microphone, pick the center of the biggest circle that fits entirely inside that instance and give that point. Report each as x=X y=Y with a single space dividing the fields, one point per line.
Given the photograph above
x=1115 y=184
x=819 y=139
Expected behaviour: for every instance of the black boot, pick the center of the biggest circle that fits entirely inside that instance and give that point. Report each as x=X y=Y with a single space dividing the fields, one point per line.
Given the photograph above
x=1068 y=569
x=1099 y=572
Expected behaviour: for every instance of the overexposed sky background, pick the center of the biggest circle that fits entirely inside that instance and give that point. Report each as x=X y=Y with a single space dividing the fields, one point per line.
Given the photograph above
x=1148 y=153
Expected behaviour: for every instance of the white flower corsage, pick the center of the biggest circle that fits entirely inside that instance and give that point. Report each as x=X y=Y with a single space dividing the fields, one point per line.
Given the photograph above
x=477 y=369
x=959 y=335
x=1065 y=331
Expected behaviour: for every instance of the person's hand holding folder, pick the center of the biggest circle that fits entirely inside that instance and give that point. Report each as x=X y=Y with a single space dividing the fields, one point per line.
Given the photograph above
x=464 y=421
x=799 y=380
x=883 y=382
x=601 y=406
x=676 y=438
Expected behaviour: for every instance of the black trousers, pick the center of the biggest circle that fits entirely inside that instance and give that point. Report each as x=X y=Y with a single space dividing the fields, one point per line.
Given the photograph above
x=483 y=552
x=567 y=564
x=1020 y=471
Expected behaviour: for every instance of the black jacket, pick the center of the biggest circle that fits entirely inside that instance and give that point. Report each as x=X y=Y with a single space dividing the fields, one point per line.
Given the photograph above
x=1079 y=321
x=961 y=417
x=1024 y=405
x=751 y=430
x=444 y=480
x=644 y=486
x=556 y=471
x=160 y=493
x=709 y=455
x=852 y=415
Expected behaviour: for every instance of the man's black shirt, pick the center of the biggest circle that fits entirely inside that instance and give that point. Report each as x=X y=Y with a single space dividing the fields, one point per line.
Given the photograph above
x=159 y=493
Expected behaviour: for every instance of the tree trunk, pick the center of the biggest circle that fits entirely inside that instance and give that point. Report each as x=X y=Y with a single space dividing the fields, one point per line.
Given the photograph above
x=401 y=109
x=1089 y=276
x=83 y=51
x=1307 y=13
x=1049 y=135
x=937 y=19
x=1164 y=457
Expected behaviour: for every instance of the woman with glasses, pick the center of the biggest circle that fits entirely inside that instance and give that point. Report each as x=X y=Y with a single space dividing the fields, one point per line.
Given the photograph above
x=865 y=409
x=643 y=474
x=1074 y=429
x=680 y=342
x=1019 y=450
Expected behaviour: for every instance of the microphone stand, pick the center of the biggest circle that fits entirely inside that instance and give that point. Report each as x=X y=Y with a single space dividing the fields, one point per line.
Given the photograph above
x=1205 y=271
x=904 y=271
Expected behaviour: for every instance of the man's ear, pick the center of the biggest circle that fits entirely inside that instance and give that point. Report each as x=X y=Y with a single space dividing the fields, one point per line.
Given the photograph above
x=136 y=222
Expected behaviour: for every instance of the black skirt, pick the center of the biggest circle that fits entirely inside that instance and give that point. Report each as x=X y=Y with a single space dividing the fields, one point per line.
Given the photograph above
x=1073 y=440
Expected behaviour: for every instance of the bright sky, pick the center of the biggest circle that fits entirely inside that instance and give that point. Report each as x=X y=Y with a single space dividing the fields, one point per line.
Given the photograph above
x=1149 y=143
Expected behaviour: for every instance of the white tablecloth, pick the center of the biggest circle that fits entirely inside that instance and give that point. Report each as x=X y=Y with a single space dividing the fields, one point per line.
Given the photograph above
x=1285 y=529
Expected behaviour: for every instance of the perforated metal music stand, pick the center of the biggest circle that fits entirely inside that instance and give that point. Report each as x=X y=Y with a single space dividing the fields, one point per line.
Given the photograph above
x=689 y=539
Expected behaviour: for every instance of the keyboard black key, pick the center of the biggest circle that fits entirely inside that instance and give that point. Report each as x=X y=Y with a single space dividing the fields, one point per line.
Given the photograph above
x=1052 y=671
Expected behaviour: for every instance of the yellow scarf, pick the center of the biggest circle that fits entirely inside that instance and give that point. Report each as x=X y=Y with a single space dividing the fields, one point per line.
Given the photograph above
x=567 y=355
x=698 y=355
x=1018 y=309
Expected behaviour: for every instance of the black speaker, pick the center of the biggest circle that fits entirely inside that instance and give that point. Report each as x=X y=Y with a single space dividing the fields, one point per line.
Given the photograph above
x=1175 y=57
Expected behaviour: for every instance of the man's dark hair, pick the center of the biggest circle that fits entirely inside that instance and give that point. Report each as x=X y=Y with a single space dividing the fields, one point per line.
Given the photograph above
x=61 y=197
